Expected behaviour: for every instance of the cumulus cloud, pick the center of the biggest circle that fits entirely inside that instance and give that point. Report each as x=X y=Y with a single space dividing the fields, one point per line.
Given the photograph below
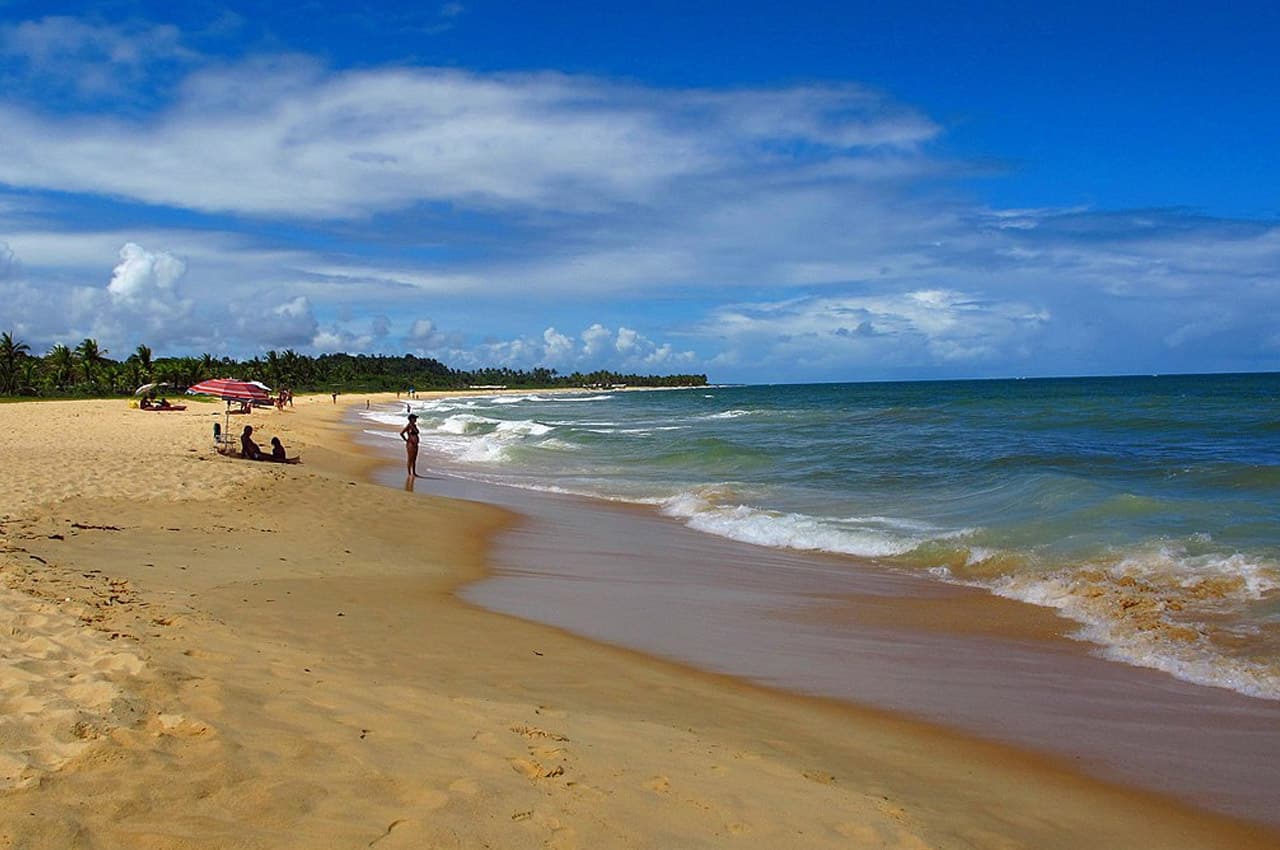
x=595 y=340
x=557 y=348
x=628 y=341
x=423 y=334
x=290 y=324
x=426 y=339
x=142 y=295
x=145 y=280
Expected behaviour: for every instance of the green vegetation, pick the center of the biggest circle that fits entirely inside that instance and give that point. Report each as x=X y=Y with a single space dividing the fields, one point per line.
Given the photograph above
x=87 y=371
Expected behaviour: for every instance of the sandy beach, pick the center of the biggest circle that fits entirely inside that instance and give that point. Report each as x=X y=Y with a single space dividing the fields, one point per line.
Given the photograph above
x=205 y=652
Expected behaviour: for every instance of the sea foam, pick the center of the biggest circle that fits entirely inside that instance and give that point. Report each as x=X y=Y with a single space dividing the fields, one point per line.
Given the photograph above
x=788 y=530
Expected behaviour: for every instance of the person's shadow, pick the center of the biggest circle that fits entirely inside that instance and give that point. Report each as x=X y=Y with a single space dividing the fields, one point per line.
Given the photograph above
x=409 y=482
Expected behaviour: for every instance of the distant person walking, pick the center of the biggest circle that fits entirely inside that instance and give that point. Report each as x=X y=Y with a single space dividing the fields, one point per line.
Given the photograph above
x=409 y=434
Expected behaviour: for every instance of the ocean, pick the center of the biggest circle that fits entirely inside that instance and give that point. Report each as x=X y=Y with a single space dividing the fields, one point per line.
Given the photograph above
x=1144 y=509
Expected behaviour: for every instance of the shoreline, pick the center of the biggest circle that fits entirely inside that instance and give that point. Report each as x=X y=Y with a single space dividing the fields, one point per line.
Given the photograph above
x=977 y=663
x=302 y=675
x=955 y=658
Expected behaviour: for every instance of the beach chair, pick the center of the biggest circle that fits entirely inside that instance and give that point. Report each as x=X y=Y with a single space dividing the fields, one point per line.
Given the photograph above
x=221 y=439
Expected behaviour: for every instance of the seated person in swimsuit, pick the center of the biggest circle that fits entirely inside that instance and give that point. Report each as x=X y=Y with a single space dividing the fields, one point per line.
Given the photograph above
x=248 y=448
x=277 y=450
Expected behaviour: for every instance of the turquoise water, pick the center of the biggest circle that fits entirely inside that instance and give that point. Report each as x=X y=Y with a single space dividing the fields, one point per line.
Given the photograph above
x=1143 y=508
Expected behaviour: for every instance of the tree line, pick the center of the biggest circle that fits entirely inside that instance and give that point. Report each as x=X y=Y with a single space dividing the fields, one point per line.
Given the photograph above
x=87 y=370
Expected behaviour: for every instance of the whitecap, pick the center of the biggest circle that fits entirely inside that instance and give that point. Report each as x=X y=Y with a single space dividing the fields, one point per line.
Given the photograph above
x=524 y=426
x=781 y=530
x=465 y=423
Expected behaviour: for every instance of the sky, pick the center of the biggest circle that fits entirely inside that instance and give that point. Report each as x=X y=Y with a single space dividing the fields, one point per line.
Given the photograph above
x=761 y=192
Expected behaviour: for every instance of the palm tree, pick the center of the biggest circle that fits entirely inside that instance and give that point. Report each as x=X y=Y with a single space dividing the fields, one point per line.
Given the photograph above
x=143 y=353
x=29 y=376
x=91 y=358
x=11 y=351
x=192 y=371
x=61 y=363
x=132 y=373
x=274 y=368
x=292 y=365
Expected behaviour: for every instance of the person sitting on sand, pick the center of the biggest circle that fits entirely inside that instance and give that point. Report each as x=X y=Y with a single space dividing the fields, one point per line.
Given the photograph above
x=277 y=450
x=248 y=448
x=145 y=404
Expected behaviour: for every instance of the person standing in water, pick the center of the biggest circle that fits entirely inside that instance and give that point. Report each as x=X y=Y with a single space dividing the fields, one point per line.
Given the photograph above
x=409 y=434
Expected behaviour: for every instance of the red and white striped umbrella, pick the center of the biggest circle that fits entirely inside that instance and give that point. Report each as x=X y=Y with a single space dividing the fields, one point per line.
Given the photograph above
x=231 y=390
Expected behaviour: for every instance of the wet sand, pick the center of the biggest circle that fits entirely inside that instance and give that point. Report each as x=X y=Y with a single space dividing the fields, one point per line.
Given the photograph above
x=834 y=627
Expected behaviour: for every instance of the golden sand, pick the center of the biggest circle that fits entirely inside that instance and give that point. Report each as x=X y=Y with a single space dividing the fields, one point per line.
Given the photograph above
x=204 y=652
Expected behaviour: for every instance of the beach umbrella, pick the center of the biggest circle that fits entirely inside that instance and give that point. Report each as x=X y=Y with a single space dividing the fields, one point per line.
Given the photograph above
x=146 y=388
x=229 y=389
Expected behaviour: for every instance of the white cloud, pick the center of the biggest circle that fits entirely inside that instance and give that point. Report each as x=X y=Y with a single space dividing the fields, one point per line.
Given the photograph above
x=628 y=341
x=290 y=325
x=422 y=329
x=920 y=330
x=91 y=58
x=140 y=301
x=595 y=340
x=283 y=137
x=144 y=280
x=557 y=348
x=425 y=339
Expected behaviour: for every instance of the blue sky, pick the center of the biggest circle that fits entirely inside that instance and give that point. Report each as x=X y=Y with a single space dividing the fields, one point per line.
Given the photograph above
x=757 y=191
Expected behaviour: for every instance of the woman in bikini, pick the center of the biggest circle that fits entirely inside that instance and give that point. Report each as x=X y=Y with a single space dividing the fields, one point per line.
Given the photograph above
x=409 y=434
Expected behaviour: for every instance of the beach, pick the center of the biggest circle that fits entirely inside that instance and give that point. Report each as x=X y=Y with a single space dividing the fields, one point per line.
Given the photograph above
x=201 y=651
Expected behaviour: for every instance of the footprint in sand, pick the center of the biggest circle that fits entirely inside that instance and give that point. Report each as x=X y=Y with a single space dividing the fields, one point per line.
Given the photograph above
x=534 y=732
x=62 y=683
x=532 y=769
x=659 y=784
x=177 y=724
